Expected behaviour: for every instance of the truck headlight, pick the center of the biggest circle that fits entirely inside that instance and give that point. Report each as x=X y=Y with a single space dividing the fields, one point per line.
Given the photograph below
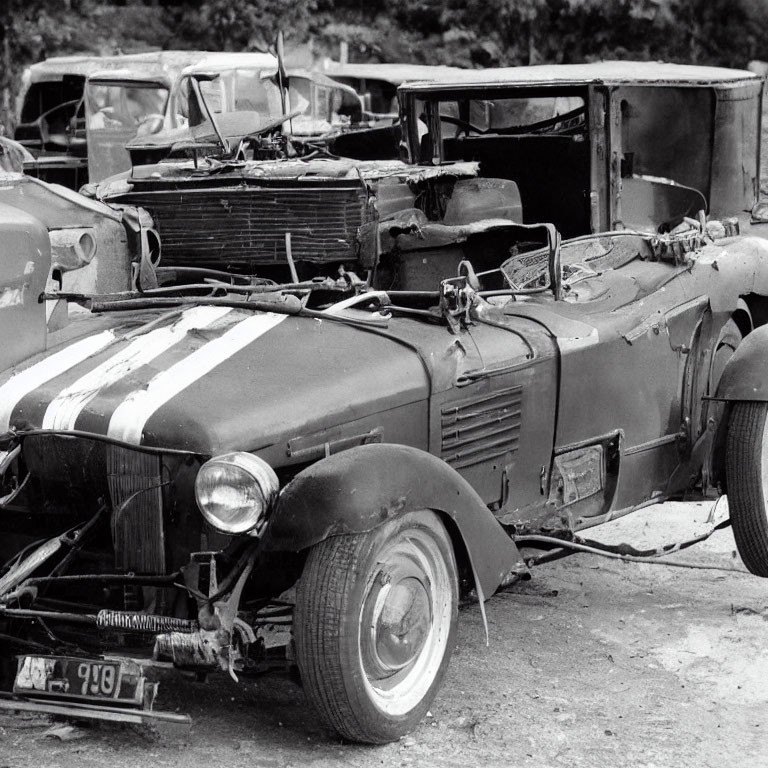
x=235 y=491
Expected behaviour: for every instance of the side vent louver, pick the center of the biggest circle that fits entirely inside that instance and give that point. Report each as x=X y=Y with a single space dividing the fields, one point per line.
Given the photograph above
x=481 y=428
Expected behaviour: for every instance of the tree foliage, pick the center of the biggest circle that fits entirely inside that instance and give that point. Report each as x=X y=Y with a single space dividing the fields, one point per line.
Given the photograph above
x=237 y=25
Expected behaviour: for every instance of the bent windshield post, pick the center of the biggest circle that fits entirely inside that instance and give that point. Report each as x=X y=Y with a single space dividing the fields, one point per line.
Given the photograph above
x=195 y=82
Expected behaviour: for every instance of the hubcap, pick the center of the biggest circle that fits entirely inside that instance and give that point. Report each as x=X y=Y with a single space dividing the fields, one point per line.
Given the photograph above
x=405 y=621
x=402 y=625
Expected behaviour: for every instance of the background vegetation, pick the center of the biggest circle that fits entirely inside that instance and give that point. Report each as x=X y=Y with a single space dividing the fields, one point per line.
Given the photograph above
x=470 y=33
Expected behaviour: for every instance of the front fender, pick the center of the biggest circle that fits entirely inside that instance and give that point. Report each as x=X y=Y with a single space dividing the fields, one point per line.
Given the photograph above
x=359 y=489
x=745 y=376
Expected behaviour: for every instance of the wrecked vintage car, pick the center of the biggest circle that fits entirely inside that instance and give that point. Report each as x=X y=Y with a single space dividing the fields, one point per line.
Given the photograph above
x=75 y=113
x=237 y=465
x=50 y=116
x=120 y=105
x=226 y=97
x=240 y=89
x=56 y=240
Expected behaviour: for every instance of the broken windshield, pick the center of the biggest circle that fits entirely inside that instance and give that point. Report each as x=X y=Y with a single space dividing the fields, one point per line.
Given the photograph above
x=126 y=105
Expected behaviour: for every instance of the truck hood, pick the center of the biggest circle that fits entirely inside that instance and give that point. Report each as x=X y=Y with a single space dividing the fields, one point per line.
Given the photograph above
x=211 y=379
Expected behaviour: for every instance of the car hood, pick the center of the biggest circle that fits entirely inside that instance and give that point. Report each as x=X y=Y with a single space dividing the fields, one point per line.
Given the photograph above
x=210 y=379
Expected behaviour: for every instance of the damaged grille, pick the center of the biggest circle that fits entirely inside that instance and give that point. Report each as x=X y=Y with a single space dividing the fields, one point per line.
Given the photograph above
x=246 y=225
x=481 y=428
x=137 y=510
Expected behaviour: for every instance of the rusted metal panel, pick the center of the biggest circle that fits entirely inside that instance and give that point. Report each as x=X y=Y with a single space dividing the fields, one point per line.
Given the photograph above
x=613 y=159
x=736 y=150
x=680 y=149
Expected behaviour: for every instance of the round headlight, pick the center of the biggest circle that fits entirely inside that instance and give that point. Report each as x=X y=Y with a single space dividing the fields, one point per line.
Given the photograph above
x=235 y=491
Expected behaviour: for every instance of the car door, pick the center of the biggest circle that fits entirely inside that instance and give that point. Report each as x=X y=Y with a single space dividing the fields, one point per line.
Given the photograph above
x=631 y=383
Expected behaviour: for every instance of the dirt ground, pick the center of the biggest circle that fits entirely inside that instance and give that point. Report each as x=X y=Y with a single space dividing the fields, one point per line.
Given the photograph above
x=593 y=662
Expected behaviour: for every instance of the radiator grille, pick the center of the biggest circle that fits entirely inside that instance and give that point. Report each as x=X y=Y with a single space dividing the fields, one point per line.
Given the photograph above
x=246 y=225
x=481 y=428
x=137 y=524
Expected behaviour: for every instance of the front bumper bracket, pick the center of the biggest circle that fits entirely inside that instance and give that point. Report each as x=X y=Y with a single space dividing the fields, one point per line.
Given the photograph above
x=10 y=702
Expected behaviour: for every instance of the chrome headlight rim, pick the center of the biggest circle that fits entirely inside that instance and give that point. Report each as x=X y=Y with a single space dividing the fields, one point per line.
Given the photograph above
x=262 y=481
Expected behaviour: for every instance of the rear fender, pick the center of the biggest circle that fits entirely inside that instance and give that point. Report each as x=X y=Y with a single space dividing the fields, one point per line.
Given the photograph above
x=745 y=375
x=744 y=379
x=359 y=489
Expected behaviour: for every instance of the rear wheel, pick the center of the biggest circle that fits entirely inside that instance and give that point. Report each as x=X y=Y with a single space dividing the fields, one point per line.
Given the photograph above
x=374 y=625
x=747 y=475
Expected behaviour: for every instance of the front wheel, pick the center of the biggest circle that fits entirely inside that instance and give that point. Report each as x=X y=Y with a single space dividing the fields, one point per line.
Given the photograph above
x=747 y=476
x=374 y=625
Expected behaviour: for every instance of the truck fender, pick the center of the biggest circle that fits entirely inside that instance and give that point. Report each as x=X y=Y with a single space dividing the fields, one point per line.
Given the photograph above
x=745 y=375
x=356 y=490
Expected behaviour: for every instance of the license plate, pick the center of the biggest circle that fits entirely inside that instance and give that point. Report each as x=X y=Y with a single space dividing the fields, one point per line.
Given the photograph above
x=65 y=677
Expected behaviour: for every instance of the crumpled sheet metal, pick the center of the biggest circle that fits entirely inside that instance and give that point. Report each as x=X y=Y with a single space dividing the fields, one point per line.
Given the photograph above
x=410 y=230
x=341 y=168
x=315 y=169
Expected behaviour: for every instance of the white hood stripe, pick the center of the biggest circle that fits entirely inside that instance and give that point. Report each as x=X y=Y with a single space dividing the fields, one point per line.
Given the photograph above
x=64 y=409
x=24 y=382
x=131 y=416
